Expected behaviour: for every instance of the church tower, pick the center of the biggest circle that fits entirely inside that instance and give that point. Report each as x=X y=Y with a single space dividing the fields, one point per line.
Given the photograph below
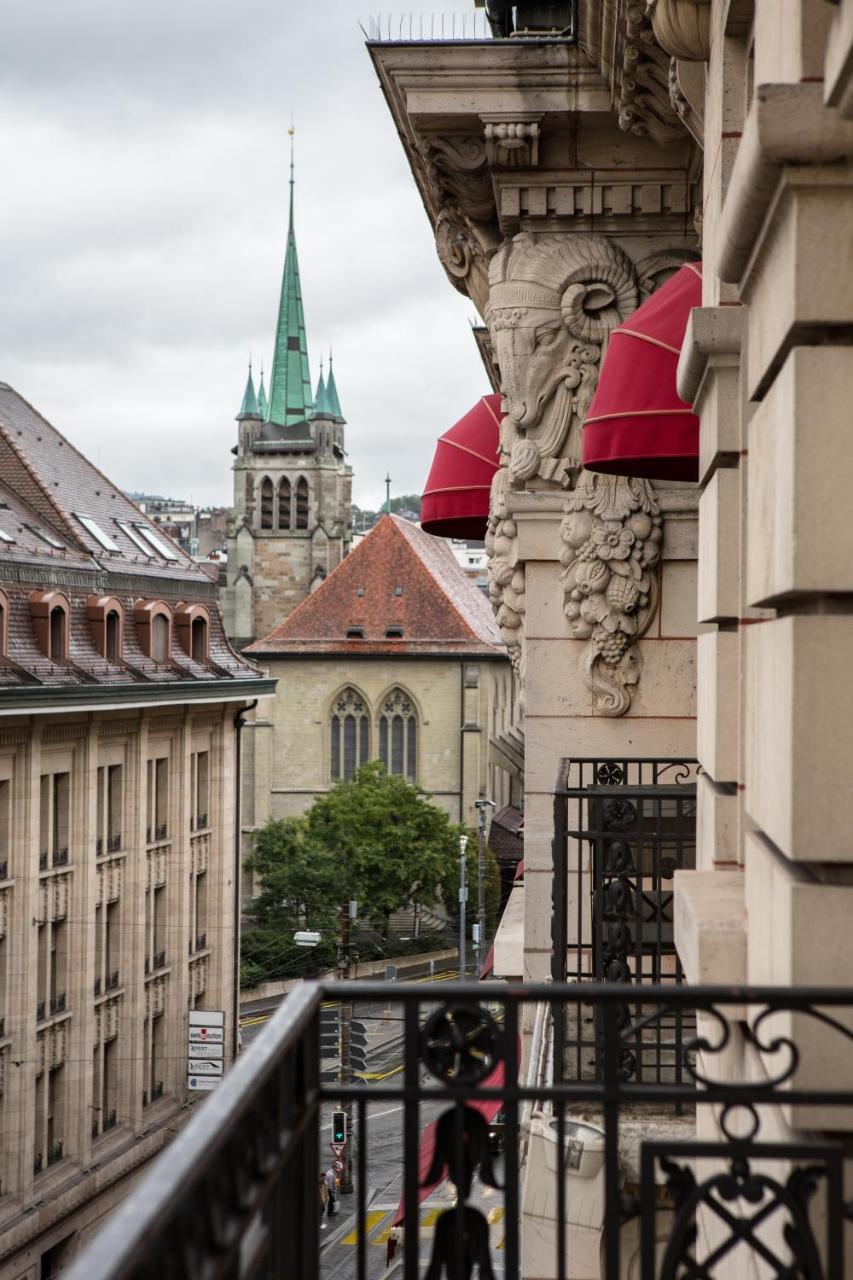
x=290 y=523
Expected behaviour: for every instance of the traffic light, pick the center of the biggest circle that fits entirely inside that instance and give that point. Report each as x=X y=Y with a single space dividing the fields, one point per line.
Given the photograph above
x=330 y=1028
x=339 y=1126
x=357 y=1045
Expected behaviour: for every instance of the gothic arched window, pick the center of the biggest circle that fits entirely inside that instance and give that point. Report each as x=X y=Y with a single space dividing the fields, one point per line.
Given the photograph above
x=266 y=503
x=398 y=735
x=302 y=503
x=350 y=735
x=284 y=503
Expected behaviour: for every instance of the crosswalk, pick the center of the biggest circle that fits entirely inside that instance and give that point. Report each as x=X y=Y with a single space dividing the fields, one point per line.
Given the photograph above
x=379 y=1221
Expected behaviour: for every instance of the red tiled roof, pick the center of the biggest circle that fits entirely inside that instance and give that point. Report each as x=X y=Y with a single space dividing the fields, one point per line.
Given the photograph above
x=398 y=578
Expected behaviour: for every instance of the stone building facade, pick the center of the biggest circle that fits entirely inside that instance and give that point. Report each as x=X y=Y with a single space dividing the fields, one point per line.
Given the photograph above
x=564 y=179
x=395 y=657
x=120 y=704
x=290 y=524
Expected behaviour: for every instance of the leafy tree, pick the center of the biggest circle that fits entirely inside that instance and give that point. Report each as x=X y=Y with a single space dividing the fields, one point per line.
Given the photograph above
x=377 y=839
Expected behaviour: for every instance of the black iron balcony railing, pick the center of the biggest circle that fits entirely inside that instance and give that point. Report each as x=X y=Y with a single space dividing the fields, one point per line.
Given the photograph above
x=96 y=986
x=622 y=828
x=40 y=1011
x=2 y=1028
x=43 y=860
x=114 y=843
x=201 y=942
x=4 y=869
x=156 y=1090
x=57 y=1003
x=159 y=961
x=236 y=1192
x=60 y=857
x=55 y=1153
x=153 y=834
x=99 y=847
x=112 y=980
x=110 y=1120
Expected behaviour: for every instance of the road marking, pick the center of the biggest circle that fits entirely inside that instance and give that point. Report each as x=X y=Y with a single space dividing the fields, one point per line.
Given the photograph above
x=372 y=1218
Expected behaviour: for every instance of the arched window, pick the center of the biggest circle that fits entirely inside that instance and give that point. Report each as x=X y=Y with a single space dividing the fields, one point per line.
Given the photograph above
x=160 y=638
x=266 y=503
x=302 y=503
x=284 y=503
x=350 y=735
x=49 y=611
x=113 y=636
x=250 y=495
x=398 y=735
x=199 y=640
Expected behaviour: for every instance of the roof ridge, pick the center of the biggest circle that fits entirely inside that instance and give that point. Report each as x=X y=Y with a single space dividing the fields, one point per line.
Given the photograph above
x=451 y=562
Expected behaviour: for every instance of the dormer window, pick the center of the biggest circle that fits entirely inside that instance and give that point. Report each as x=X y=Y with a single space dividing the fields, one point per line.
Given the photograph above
x=50 y=612
x=355 y=633
x=106 y=618
x=192 y=630
x=4 y=624
x=153 y=620
x=394 y=633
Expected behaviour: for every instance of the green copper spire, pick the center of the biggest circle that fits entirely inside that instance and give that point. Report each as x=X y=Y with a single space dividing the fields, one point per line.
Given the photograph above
x=321 y=399
x=332 y=400
x=290 y=380
x=249 y=407
x=262 y=398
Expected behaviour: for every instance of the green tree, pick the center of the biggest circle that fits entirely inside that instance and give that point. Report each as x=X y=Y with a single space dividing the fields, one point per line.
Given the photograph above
x=378 y=840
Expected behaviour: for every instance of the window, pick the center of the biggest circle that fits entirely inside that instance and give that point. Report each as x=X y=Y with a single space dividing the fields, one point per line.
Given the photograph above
x=199 y=640
x=302 y=503
x=97 y=532
x=5 y=537
x=398 y=735
x=192 y=628
x=266 y=503
x=49 y=611
x=199 y=790
x=284 y=503
x=157 y=816
x=159 y=546
x=129 y=532
x=350 y=735
x=47 y=538
x=106 y=618
x=160 y=638
x=394 y=633
x=4 y=624
x=355 y=633
x=153 y=620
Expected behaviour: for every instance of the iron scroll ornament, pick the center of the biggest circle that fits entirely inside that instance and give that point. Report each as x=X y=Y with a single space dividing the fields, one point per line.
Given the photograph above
x=461 y=1043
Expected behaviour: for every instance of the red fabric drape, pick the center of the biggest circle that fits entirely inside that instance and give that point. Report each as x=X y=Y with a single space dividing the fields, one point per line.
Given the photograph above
x=637 y=424
x=455 y=501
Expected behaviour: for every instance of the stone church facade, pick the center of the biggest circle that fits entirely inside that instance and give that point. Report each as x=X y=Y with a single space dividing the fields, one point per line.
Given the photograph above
x=290 y=524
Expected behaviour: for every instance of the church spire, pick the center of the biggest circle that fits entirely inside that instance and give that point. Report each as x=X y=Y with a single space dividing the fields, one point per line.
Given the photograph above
x=290 y=380
x=263 y=407
x=321 y=401
x=332 y=402
x=249 y=407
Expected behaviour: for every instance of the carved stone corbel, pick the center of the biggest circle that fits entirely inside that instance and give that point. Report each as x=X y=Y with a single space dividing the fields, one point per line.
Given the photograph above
x=459 y=173
x=512 y=142
x=464 y=254
x=687 y=96
x=644 y=103
x=682 y=27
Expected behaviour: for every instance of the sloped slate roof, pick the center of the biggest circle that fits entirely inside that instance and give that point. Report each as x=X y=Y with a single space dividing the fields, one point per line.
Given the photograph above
x=398 y=577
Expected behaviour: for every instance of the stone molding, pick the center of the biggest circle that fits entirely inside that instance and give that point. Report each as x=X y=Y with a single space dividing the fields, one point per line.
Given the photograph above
x=711 y=332
x=512 y=141
x=682 y=27
x=644 y=102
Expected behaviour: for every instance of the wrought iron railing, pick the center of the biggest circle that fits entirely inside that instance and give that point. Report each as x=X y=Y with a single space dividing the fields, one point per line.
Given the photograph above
x=60 y=857
x=622 y=828
x=236 y=1192
x=4 y=869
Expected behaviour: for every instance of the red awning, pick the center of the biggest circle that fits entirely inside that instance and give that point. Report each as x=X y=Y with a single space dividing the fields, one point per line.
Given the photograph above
x=456 y=498
x=637 y=424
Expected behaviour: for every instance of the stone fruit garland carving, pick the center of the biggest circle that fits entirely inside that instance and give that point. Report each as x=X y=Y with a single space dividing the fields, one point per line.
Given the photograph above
x=505 y=573
x=612 y=542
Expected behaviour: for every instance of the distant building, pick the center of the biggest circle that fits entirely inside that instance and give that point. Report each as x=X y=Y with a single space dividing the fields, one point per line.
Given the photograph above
x=292 y=485
x=199 y=530
x=395 y=657
x=120 y=700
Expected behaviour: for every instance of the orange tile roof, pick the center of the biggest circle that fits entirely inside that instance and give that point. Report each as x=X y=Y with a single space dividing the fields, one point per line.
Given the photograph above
x=400 y=579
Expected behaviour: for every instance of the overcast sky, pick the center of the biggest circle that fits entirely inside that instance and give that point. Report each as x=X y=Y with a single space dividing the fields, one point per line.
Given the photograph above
x=142 y=231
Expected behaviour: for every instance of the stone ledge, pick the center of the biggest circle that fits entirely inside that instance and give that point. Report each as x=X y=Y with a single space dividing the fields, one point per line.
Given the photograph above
x=711 y=332
x=710 y=926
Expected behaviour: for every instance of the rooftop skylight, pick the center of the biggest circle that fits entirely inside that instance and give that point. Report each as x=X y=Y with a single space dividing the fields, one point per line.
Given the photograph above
x=45 y=537
x=160 y=547
x=91 y=526
x=131 y=533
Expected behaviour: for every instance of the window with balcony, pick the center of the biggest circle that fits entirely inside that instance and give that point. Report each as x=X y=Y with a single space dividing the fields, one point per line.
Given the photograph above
x=54 y=819
x=5 y=829
x=199 y=790
x=110 y=813
x=157 y=798
x=398 y=735
x=349 y=730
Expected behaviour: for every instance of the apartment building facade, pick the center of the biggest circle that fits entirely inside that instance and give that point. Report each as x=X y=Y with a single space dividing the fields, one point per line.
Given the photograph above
x=120 y=712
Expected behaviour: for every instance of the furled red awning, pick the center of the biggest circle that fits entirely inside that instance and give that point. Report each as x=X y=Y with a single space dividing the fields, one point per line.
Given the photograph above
x=637 y=424
x=456 y=498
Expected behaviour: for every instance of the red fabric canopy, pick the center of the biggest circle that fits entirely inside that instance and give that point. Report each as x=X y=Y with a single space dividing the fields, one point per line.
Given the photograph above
x=637 y=425
x=456 y=498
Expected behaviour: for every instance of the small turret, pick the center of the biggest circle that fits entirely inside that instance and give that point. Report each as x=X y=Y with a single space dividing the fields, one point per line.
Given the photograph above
x=249 y=408
x=334 y=404
x=321 y=399
x=262 y=398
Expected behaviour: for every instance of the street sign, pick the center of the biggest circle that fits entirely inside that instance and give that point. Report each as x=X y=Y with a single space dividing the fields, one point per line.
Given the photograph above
x=198 y=1067
x=390 y=972
x=201 y=1084
x=338 y=1166
x=205 y=1049
x=213 y=1051
x=337 y=1148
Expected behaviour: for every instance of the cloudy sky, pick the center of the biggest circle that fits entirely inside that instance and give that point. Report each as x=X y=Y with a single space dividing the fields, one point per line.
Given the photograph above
x=142 y=230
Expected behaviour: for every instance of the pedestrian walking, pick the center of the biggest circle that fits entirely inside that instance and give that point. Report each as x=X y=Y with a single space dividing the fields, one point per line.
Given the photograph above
x=331 y=1191
x=324 y=1200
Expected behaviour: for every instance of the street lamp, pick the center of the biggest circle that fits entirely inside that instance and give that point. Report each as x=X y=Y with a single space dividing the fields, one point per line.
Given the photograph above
x=463 y=898
x=481 y=807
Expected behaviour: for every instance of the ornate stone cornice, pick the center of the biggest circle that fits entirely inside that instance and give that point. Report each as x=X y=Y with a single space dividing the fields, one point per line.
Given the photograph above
x=682 y=28
x=644 y=101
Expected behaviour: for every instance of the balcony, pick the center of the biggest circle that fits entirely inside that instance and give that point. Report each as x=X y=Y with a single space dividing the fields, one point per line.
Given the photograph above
x=236 y=1192
x=4 y=870
x=43 y=861
x=41 y=1008
x=60 y=857
x=57 y=1003
x=114 y=843
x=111 y=980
